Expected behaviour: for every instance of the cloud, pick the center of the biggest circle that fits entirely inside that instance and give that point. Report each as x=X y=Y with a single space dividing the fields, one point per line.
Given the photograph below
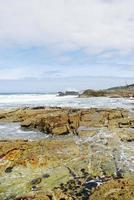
x=62 y=72
x=21 y=73
x=91 y=25
x=62 y=39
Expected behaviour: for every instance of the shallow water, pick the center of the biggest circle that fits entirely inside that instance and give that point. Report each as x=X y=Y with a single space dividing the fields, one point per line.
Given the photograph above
x=124 y=151
x=14 y=131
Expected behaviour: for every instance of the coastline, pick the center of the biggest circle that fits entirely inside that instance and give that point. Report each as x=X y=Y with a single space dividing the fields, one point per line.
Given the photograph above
x=87 y=149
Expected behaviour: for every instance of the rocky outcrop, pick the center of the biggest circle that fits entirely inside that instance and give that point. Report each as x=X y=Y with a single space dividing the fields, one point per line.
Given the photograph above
x=68 y=93
x=60 y=121
x=116 y=92
x=93 y=93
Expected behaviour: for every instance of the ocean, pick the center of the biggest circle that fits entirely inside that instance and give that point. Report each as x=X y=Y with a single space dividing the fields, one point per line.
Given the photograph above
x=32 y=100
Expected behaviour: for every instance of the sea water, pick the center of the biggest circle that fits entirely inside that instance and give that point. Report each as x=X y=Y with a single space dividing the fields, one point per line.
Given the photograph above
x=32 y=100
x=13 y=131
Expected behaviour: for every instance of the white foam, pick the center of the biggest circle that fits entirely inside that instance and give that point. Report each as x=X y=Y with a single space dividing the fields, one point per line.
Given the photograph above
x=22 y=100
x=13 y=131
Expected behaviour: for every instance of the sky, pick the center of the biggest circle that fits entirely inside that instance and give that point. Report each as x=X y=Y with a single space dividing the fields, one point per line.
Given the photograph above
x=52 y=45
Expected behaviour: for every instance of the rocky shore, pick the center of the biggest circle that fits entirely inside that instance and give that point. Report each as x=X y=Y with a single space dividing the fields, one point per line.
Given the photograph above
x=116 y=92
x=88 y=155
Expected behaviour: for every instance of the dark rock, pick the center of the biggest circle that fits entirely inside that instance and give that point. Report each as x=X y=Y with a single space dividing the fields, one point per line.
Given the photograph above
x=38 y=107
x=34 y=188
x=36 y=181
x=67 y=93
x=91 y=185
x=45 y=176
x=8 y=169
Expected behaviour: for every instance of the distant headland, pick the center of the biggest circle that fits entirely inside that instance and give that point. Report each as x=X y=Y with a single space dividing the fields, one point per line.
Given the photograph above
x=114 y=92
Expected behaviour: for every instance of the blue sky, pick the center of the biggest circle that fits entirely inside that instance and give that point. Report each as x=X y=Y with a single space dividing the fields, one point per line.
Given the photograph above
x=51 y=45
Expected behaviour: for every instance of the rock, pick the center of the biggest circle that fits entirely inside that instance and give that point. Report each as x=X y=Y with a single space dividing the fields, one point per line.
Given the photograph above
x=74 y=120
x=68 y=93
x=126 y=135
x=24 y=198
x=116 y=92
x=33 y=197
x=60 y=130
x=11 y=154
x=87 y=133
x=93 y=118
x=66 y=167
x=66 y=120
x=59 y=194
x=8 y=169
x=35 y=181
x=45 y=176
x=121 y=189
x=93 y=93
x=101 y=164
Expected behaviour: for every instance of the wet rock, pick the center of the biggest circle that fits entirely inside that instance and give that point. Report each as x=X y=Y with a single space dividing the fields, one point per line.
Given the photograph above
x=101 y=161
x=36 y=181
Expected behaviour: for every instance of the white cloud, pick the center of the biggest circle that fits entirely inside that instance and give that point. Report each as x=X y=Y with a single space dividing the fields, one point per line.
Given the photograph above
x=93 y=25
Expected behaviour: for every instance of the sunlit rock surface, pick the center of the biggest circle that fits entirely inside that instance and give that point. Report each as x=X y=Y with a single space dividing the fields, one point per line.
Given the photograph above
x=117 y=189
x=62 y=121
x=89 y=153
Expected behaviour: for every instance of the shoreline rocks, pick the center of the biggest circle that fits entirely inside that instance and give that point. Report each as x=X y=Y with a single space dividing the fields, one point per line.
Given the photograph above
x=95 y=160
x=59 y=121
x=68 y=93
x=122 y=189
x=116 y=92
